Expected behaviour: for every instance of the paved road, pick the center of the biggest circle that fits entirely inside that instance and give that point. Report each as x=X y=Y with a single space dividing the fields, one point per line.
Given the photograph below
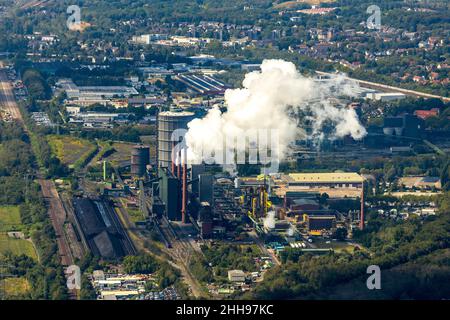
x=7 y=99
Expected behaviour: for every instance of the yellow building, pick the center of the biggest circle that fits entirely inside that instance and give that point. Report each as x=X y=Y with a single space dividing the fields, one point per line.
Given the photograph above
x=335 y=184
x=332 y=180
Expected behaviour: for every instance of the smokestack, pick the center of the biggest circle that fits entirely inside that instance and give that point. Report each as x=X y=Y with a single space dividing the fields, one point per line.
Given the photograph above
x=179 y=166
x=184 y=186
x=361 y=218
x=173 y=158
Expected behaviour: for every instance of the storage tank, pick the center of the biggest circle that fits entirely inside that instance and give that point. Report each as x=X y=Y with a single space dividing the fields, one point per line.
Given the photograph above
x=140 y=158
x=168 y=122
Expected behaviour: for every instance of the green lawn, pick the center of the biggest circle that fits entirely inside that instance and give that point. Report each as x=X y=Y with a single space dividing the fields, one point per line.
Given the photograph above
x=15 y=287
x=9 y=218
x=16 y=246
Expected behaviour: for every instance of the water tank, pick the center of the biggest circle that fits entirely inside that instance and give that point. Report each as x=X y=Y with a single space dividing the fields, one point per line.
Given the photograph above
x=168 y=122
x=140 y=158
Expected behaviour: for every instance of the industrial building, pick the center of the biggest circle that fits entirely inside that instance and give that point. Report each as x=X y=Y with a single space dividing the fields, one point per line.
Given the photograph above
x=236 y=276
x=420 y=182
x=290 y=200
x=171 y=190
x=100 y=229
x=385 y=96
x=170 y=194
x=407 y=125
x=168 y=122
x=205 y=192
x=335 y=184
x=205 y=220
x=140 y=158
x=99 y=119
x=89 y=95
x=317 y=223
x=75 y=92
x=324 y=180
x=203 y=84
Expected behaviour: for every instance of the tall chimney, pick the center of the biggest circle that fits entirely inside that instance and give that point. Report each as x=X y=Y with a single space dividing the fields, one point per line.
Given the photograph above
x=179 y=166
x=184 y=186
x=361 y=218
x=173 y=158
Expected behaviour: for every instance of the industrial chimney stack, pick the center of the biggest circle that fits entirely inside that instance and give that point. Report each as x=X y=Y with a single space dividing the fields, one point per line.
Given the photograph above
x=183 y=161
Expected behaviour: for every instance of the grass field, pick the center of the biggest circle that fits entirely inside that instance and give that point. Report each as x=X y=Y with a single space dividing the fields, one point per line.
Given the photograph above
x=69 y=150
x=14 y=287
x=293 y=4
x=16 y=246
x=9 y=218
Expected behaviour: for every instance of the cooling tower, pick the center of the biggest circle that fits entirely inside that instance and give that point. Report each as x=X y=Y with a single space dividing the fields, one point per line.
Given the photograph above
x=167 y=123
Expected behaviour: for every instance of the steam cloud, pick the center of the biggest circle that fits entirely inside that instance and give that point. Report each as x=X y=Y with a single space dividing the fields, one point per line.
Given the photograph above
x=291 y=231
x=269 y=220
x=277 y=97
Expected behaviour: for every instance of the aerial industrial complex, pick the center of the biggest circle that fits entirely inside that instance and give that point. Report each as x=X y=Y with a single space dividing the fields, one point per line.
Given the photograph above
x=172 y=150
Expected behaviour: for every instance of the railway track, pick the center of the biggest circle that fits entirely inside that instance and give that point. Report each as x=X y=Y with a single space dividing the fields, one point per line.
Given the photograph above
x=181 y=252
x=58 y=216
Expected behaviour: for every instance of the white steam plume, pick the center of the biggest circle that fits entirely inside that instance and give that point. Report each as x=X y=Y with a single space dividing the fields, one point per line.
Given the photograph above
x=269 y=220
x=291 y=231
x=275 y=98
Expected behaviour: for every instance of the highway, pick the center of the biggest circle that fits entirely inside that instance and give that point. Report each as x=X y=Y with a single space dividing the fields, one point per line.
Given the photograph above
x=7 y=99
